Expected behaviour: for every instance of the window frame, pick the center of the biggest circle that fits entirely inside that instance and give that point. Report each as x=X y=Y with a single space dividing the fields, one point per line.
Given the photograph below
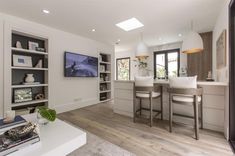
x=129 y=58
x=165 y=52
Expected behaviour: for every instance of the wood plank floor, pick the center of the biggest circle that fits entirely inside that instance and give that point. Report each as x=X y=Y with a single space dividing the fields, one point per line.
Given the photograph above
x=142 y=140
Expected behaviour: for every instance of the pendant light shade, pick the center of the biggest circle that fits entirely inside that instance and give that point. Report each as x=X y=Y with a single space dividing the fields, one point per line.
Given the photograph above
x=142 y=49
x=192 y=43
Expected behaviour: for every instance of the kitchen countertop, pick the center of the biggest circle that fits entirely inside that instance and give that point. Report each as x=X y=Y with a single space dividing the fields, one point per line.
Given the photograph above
x=202 y=83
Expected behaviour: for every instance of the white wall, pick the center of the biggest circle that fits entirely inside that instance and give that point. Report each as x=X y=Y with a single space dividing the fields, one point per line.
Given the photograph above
x=131 y=53
x=222 y=74
x=221 y=24
x=64 y=93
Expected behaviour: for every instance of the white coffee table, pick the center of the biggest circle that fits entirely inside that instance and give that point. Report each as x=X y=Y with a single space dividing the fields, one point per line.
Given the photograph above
x=57 y=139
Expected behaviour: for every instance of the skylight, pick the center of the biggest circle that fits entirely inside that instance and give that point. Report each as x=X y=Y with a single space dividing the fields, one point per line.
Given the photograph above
x=130 y=24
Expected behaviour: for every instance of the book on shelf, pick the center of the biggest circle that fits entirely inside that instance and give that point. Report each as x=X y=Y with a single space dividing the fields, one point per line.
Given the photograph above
x=18 y=121
x=8 y=146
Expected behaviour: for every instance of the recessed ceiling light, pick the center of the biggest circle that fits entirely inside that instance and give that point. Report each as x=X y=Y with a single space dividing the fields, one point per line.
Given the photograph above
x=130 y=24
x=45 y=11
x=118 y=40
x=93 y=30
x=179 y=35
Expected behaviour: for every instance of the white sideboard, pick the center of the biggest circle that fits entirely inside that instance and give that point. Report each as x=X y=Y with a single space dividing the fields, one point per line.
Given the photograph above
x=214 y=99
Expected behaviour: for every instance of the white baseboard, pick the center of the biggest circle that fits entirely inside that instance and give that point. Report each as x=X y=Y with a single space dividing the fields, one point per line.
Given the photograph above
x=75 y=105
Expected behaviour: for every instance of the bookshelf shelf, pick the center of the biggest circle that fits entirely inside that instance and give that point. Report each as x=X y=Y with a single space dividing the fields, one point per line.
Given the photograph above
x=105 y=81
x=101 y=62
x=27 y=86
x=26 y=51
x=28 y=103
x=28 y=68
x=105 y=91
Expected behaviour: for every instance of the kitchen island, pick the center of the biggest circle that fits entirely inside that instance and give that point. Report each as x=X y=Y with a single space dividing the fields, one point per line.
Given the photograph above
x=215 y=101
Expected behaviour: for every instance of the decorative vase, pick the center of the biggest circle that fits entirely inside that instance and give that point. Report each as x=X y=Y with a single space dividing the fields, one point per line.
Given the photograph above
x=29 y=78
x=41 y=120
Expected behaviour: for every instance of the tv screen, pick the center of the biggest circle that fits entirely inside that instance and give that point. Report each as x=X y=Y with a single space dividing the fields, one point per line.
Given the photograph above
x=77 y=65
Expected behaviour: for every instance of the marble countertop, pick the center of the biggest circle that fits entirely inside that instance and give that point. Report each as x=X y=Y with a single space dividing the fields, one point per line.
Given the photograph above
x=202 y=83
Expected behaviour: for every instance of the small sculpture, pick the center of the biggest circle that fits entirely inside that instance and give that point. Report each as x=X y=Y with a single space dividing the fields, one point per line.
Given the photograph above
x=39 y=97
x=209 y=76
x=18 y=44
x=21 y=131
x=39 y=64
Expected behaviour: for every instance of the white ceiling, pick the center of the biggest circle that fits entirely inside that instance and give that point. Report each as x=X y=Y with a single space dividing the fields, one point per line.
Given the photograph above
x=162 y=18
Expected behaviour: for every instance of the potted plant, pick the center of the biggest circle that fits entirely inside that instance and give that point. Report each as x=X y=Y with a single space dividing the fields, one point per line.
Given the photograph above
x=45 y=115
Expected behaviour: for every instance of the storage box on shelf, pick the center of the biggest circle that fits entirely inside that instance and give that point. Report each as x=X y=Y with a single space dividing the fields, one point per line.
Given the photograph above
x=30 y=62
x=105 y=77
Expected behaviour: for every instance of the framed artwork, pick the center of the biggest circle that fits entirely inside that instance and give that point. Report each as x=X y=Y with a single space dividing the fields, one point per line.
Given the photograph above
x=33 y=45
x=221 y=51
x=22 y=95
x=102 y=68
x=22 y=61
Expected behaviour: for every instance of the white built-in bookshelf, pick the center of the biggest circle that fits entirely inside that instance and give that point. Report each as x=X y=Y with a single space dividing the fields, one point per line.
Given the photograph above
x=105 y=79
x=15 y=87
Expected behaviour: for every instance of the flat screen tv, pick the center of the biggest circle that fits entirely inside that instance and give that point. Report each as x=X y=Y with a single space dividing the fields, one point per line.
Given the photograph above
x=78 y=65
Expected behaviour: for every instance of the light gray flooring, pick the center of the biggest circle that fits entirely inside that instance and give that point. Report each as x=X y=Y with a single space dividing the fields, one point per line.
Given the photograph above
x=142 y=140
x=98 y=147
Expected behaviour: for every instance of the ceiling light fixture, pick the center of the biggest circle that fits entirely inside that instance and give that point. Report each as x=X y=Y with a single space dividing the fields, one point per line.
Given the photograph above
x=45 y=11
x=93 y=30
x=142 y=49
x=192 y=43
x=130 y=24
x=180 y=35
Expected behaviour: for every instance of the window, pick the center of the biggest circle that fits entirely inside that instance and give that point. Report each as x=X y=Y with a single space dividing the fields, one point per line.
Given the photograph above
x=166 y=63
x=123 y=68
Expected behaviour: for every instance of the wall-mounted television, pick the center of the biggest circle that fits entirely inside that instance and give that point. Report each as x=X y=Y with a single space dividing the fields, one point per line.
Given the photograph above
x=78 y=65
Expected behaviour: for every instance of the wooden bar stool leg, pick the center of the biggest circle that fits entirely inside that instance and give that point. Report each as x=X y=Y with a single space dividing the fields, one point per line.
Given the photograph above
x=196 y=117
x=201 y=113
x=140 y=106
x=161 y=104
x=170 y=113
x=134 y=102
x=151 y=110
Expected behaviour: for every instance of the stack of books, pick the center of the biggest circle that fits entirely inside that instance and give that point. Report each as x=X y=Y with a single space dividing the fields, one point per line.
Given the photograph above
x=18 y=121
x=9 y=145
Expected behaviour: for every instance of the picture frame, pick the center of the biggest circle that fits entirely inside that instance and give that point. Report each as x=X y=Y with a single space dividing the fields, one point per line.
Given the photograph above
x=23 y=95
x=33 y=45
x=221 y=51
x=22 y=61
x=102 y=68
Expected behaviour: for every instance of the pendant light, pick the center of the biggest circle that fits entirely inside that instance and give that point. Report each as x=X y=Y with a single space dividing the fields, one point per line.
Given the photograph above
x=192 y=42
x=142 y=49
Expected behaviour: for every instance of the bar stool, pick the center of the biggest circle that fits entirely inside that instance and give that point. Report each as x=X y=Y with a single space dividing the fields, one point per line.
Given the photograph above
x=144 y=89
x=184 y=91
